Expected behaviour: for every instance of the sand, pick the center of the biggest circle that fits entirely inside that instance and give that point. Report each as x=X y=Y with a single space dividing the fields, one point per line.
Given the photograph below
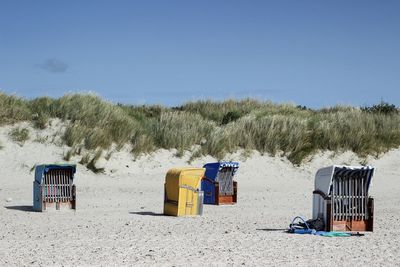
x=119 y=219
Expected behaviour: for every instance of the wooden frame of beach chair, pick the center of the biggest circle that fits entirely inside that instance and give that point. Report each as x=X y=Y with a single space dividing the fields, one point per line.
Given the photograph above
x=225 y=199
x=352 y=224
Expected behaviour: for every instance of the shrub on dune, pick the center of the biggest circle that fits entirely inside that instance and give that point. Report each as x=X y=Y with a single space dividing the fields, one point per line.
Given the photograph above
x=222 y=112
x=19 y=135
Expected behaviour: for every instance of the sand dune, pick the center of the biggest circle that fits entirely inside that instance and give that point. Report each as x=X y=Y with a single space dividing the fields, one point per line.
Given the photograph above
x=118 y=220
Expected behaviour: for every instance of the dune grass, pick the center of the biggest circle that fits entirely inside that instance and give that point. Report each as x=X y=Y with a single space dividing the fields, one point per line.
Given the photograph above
x=210 y=128
x=19 y=135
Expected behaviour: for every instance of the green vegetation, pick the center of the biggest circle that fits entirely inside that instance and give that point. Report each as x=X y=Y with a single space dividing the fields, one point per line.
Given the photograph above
x=19 y=135
x=207 y=127
x=382 y=108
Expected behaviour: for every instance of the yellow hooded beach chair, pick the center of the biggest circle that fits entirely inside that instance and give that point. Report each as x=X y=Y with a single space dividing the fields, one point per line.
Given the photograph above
x=182 y=195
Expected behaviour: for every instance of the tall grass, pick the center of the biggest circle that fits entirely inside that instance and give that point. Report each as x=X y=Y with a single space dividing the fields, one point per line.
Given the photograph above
x=93 y=122
x=13 y=109
x=208 y=127
x=221 y=112
x=298 y=135
x=181 y=130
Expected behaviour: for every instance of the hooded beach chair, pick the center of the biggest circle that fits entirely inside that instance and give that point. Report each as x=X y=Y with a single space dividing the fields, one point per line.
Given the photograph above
x=182 y=194
x=53 y=187
x=218 y=184
x=342 y=200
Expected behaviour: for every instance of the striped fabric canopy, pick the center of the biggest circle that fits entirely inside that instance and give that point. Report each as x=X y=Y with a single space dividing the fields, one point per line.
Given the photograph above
x=229 y=164
x=347 y=171
x=41 y=170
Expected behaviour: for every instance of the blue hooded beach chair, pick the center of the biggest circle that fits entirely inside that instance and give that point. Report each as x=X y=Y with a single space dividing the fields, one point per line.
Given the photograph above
x=218 y=184
x=53 y=187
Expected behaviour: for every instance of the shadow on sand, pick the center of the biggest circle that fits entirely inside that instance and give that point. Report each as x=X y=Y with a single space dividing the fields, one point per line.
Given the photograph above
x=21 y=208
x=272 y=229
x=146 y=213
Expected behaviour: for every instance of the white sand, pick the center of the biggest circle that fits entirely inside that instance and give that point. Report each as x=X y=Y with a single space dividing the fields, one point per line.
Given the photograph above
x=118 y=219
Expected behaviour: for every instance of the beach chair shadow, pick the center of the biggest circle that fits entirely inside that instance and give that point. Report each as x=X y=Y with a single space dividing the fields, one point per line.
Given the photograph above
x=21 y=208
x=146 y=213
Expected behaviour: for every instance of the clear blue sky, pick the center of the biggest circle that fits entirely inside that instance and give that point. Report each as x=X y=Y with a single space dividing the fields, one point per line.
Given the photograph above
x=314 y=53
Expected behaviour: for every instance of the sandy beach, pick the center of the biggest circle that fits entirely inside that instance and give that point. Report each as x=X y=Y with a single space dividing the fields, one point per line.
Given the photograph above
x=122 y=93
x=119 y=221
